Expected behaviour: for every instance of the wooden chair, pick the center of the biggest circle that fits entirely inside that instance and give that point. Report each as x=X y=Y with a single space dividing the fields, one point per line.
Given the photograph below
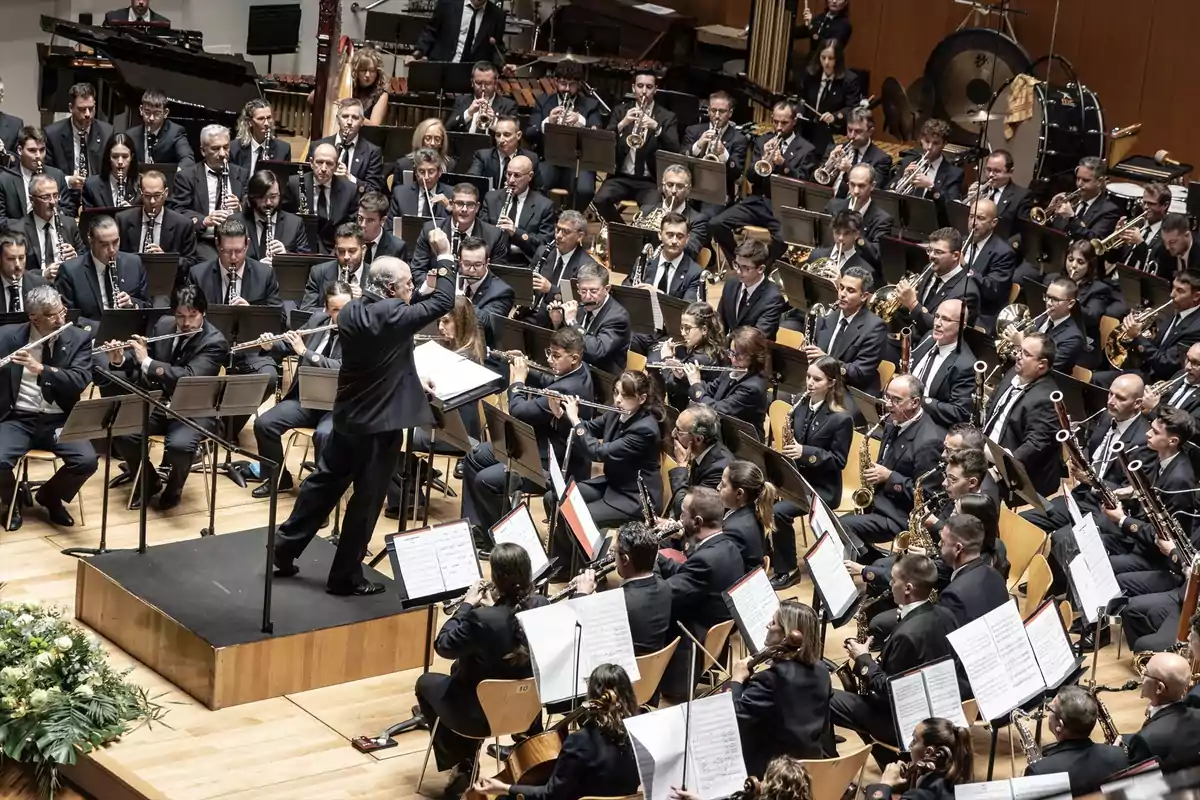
x=651 y=668
x=1037 y=583
x=307 y=434
x=1081 y=374
x=790 y=338
x=704 y=257
x=635 y=361
x=777 y=414
x=1023 y=540
x=1013 y=291
x=851 y=475
x=24 y=488
x=886 y=370
x=510 y=707
x=714 y=642
x=831 y=776
x=664 y=472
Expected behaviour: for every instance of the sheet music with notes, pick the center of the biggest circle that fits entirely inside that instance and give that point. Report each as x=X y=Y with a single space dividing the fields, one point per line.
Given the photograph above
x=1030 y=787
x=715 y=767
x=828 y=571
x=1050 y=644
x=929 y=691
x=434 y=561
x=999 y=661
x=579 y=519
x=656 y=311
x=518 y=528
x=556 y=473
x=452 y=374
x=604 y=638
x=821 y=520
x=753 y=602
x=1091 y=572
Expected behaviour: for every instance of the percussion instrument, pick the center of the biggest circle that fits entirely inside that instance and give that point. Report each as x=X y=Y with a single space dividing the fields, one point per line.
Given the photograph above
x=961 y=74
x=1125 y=194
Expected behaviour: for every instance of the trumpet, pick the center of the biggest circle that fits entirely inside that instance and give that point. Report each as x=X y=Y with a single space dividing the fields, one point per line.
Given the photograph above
x=279 y=337
x=905 y=184
x=113 y=347
x=827 y=172
x=486 y=117
x=1115 y=345
x=637 y=134
x=976 y=190
x=710 y=152
x=32 y=346
x=561 y=396
x=766 y=165
x=1164 y=388
x=1113 y=240
x=1041 y=216
x=509 y=359
x=566 y=105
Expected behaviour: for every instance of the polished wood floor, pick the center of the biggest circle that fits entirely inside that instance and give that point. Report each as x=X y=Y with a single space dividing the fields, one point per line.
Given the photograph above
x=296 y=746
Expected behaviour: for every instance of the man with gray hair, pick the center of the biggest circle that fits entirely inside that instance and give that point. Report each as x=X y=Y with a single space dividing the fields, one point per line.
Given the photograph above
x=1071 y=717
x=52 y=236
x=425 y=195
x=558 y=261
x=603 y=321
x=41 y=385
x=1092 y=215
x=358 y=161
x=701 y=456
x=211 y=191
x=321 y=192
x=674 y=194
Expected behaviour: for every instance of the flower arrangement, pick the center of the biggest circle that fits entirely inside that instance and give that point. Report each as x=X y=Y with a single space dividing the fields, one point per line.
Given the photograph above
x=59 y=697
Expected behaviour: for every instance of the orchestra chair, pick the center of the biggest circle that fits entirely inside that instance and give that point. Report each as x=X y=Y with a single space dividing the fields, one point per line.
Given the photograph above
x=510 y=707
x=206 y=467
x=24 y=488
x=831 y=776
x=886 y=370
x=778 y=413
x=1081 y=374
x=1037 y=583
x=664 y=471
x=1013 y=291
x=297 y=433
x=635 y=362
x=559 y=197
x=1023 y=540
x=755 y=232
x=852 y=474
x=651 y=668
x=704 y=257
x=714 y=642
x=790 y=338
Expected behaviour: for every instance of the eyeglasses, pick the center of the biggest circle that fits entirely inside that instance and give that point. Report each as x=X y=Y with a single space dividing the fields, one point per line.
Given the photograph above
x=46 y=197
x=157 y=195
x=685 y=328
x=465 y=205
x=1051 y=299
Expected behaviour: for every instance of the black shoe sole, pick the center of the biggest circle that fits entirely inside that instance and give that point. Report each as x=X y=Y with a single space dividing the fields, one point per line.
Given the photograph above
x=361 y=590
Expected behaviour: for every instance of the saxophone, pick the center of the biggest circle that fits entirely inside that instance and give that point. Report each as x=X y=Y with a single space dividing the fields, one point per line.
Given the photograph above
x=845 y=674
x=789 y=432
x=1020 y=721
x=863 y=496
x=917 y=534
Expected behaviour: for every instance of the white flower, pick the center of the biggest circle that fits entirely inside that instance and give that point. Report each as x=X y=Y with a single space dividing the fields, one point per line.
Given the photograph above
x=10 y=674
x=84 y=690
x=44 y=659
x=38 y=697
x=63 y=643
x=24 y=619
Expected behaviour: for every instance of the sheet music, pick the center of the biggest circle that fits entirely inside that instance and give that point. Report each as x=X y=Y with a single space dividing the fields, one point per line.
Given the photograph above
x=518 y=528
x=1050 y=645
x=457 y=560
x=999 y=662
x=1100 y=584
x=828 y=570
x=564 y=288
x=753 y=603
x=716 y=767
x=821 y=520
x=575 y=512
x=1073 y=509
x=941 y=687
x=984 y=790
x=451 y=373
x=435 y=560
x=656 y=311
x=658 y=748
x=1035 y=787
x=419 y=570
x=606 y=635
x=1136 y=787
x=556 y=472
x=550 y=634
x=910 y=705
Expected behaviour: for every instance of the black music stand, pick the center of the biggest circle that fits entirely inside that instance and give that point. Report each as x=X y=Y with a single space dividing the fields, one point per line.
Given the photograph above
x=120 y=324
x=520 y=448
x=789 y=368
x=394 y=29
x=744 y=447
x=411 y=227
x=318 y=389
x=981 y=344
x=564 y=146
x=242 y=324
x=810 y=228
x=163 y=272
x=731 y=426
x=597 y=150
x=900 y=257
x=1082 y=399
x=434 y=77
x=889 y=202
x=637 y=303
x=1042 y=245
x=816 y=196
x=484 y=185
x=463 y=146
x=292 y=271
x=625 y=244
x=819 y=290
x=918 y=216
x=870 y=406
x=86 y=216
x=510 y=334
x=709 y=178
x=1142 y=288
x=1013 y=474
x=956 y=215
x=519 y=278
x=788 y=192
x=273 y=30
x=792 y=279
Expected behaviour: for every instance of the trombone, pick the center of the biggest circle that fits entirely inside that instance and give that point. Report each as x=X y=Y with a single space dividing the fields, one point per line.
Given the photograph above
x=1041 y=216
x=1113 y=240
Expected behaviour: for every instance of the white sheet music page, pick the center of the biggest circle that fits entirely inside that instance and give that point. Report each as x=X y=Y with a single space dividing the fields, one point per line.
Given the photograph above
x=457 y=560
x=821 y=520
x=941 y=687
x=716 y=767
x=658 y=746
x=556 y=472
x=828 y=569
x=1036 y=787
x=984 y=790
x=550 y=634
x=606 y=635
x=518 y=528
x=1051 y=648
x=1101 y=585
x=999 y=662
x=656 y=310
x=910 y=704
x=579 y=519
x=451 y=373
x=754 y=604
x=416 y=554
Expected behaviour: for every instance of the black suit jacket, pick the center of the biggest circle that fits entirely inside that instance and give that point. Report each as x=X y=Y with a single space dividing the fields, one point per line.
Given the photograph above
x=735 y=142
x=875 y=157
x=665 y=137
x=763 y=311
x=289 y=229
x=697 y=584
x=841 y=94
x=492 y=297
x=947 y=391
x=343 y=205
x=534 y=228
x=909 y=454
x=176 y=234
x=67 y=373
x=35 y=259
x=782 y=710
x=1095 y=299
x=486 y=164
x=606 y=341
x=947 y=183
x=748 y=535
x=458 y=122
x=189 y=196
x=916 y=640
x=1160 y=735
x=859 y=346
x=1069 y=344
x=60 y=145
x=825 y=436
x=1134 y=441
x=706 y=471
x=1098 y=221
x=119 y=15
x=799 y=161
x=240 y=154
x=314 y=289
x=1087 y=763
x=406 y=201
x=495 y=239
x=684 y=285
x=12 y=195
x=553 y=431
x=627 y=449
x=257 y=286
x=202 y=354
x=877 y=224
x=746 y=398
x=973 y=592
x=1162 y=356
x=98 y=193
x=590 y=762
x=961 y=287
x=28 y=281
x=10 y=126
x=388 y=245
x=171 y=146
x=1165 y=265
x=439 y=39
x=81 y=289
x=545 y=263
x=1009 y=207
x=992 y=268
x=585 y=105
x=366 y=167
x=697 y=223
x=826 y=26
x=648 y=605
x=1029 y=431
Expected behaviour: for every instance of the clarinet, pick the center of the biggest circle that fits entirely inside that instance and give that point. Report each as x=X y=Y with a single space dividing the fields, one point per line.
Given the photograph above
x=148 y=241
x=270 y=233
x=82 y=165
x=122 y=199
x=222 y=184
x=151 y=140
x=113 y=285
x=267 y=141
x=58 y=237
x=303 y=195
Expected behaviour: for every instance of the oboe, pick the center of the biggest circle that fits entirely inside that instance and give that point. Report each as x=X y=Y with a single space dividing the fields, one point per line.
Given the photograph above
x=148 y=240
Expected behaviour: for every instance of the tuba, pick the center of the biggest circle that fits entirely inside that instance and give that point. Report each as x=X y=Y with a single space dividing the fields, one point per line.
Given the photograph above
x=863 y=496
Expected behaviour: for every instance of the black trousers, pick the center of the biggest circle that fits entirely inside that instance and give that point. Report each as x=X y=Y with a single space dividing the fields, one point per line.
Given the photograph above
x=562 y=545
x=423 y=442
x=180 y=448
x=784 y=540
x=459 y=713
x=869 y=718
x=234 y=425
x=752 y=210
x=622 y=187
x=485 y=481
x=284 y=416
x=23 y=431
x=871 y=527
x=1150 y=621
x=553 y=177
x=364 y=460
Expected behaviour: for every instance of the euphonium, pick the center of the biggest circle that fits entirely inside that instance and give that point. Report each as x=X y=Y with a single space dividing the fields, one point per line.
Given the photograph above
x=766 y=165
x=863 y=496
x=826 y=173
x=1113 y=240
x=1040 y=216
x=637 y=134
x=1115 y=345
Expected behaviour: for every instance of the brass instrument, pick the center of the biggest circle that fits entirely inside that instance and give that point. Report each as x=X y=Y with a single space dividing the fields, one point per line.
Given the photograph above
x=906 y=334
x=599 y=250
x=501 y=355
x=766 y=165
x=1115 y=345
x=651 y=221
x=148 y=239
x=1041 y=216
x=486 y=117
x=827 y=173
x=850 y=681
x=863 y=496
x=906 y=182
x=113 y=347
x=1164 y=388
x=1020 y=721
x=114 y=287
x=1014 y=317
x=976 y=189
x=885 y=302
x=561 y=396
x=979 y=394
x=279 y=337
x=638 y=276
x=815 y=312
x=637 y=134
x=710 y=151
x=34 y=345
x=917 y=534
x=1113 y=240
x=828 y=267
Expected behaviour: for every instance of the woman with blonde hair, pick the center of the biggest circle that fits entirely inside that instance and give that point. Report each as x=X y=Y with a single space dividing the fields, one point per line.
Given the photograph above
x=429 y=134
x=370 y=85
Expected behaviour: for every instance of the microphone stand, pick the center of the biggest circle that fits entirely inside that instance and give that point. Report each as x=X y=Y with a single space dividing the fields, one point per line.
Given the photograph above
x=100 y=374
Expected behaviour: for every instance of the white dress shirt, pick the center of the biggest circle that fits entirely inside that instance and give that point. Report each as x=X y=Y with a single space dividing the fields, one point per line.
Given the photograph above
x=699 y=149
x=670 y=266
x=29 y=393
x=974 y=249
x=464 y=26
x=156 y=234
x=938 y=354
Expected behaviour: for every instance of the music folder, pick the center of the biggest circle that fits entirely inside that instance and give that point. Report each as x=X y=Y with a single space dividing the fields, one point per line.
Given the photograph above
x=1030 y=787
x=930 y=690
x=835 y=587
x=753 y=604
x=703 y=754
x=579 y=520
x=433 y=564
x=517 y=527
x=1090 y=573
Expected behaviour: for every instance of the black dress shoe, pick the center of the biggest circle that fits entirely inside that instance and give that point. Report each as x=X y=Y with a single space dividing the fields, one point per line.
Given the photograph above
x=785 y=580
x=1087 y=641
x=250 y=476
x=357 y=590
x=458 y=469
x=168 y=501
x=284 y=567
x=55 y=510
x=502 y=752
x=285 y=483
x=15 y=523
x=392 y=512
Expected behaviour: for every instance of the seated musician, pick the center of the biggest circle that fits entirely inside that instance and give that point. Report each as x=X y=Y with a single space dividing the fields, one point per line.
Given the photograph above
x=492 y=162
x=329 y=197
x=829 y=88
x=16 y=185
x=990 y=260
x=53 y=236
x=860 y=127
x=158 y=140
x=41 y=385
x=936 y=179
x=784 y=708
x=527 y=216
x=1193 y=655
x=1182 y=391
x=713 y=564
x=920 y=637
x=158 y=366
x=998 y=186
x=1071 y=717
x=701 y=342
x=604 y=322
x=371 y=85
x=598 y=758
x=658 y=128
x=485 y=642
x=853 y=333
x=15 y=279
x=75 y=145
x=976 y=587
x=941 y=759
x=377 y=239
x=9 y=127
x=832 y=23
x=945 y=364
x=462 y=223
x=425 y=195
x=909 y=450
x=151 y=227
x=566 y=106
x=262 y=215
x=873 y=222
x=1161 y=357
x=1169 y=733
x=322 y=350
x=843 y=253
x=559 y=261
x=115 y=184
x=748 y=497
x=484 y=476
x=430 y=134
x=819 y=447
x=749 y=298
x=1096 y=296
x=785 y=152
x=699 y=452
x=138 y=11
x=358 y=161
x=1070 y=344
x=673 y=271
x=1175 y=252
x=1139 y=243
x=944 y=279
x=742 y=392
x=476 y=112
x=103 y=277
x=647 y=595
x=718 y=140
x=490 y=295
x=1092 y=215
x=672 y=198
x=209 y=192
x=256 y=140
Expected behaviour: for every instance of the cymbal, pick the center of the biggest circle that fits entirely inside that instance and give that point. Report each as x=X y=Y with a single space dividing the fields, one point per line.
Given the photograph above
x=559 y=58
x=979 y=117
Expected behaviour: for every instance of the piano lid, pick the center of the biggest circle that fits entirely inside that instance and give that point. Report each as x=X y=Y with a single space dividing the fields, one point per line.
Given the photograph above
x=209 y=80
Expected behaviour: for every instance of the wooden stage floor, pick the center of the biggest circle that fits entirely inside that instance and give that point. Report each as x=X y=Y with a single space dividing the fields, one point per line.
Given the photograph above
x=296 y=746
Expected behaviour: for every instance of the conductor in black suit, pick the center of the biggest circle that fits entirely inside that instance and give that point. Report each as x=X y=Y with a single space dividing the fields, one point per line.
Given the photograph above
x=167 y=140
x=262 y=216
x=358 y=161
x=75 y=145
x=1092 y=215
x=210 y=192
x=379 y=397
x=473 y=112
x=636 y=172
x=1071 y=718
x=103 y=277
x=647 y=595
x=138 y=11
x=749 y=298
x=470 y=31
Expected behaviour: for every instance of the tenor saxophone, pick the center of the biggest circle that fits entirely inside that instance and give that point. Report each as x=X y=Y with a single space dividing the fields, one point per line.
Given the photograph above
x=1020 y=721
x=863 y=496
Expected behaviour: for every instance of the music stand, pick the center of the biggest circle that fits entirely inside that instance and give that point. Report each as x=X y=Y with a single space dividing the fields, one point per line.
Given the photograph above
x=121 y=324
x=792 y=279
x=887 y=201
x=162 y=273
x=900 y=257
x=870 y=406
x=484 y=185
x=744 y=447
x=819 y=290
x=318 y=388
x=86 y=216
x=519 y=278
x=463 y=146
x=637 y=303
x=510 y=334
x=292 y=271
x=1081 y=399
x=709 y=178
x=247 y=323
x=272 y=30
x=395 y=29
x=816 y=196
x=731 y=426
x=1014 y=476
x=804 y=227
x=956 y=215
x=625 y=244
x=432 y=77
x=411 y=228
x=597 y=150
x=1138 y=287
x=788 y=192
x=603 y=383
x=673 y=309
x=918 y=215
x=789 y=368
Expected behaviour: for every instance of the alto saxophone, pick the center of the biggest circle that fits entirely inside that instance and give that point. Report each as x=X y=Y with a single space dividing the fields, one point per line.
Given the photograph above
x=917 y=534
x=789 y=431
x=845 y=674
x=863 y=496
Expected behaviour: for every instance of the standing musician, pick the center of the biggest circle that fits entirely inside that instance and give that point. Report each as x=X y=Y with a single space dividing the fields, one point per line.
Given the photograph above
x=39 y=389
x=54 y=235
x=263 y=215
x=330 y=197
x=379 y=397
x=16 y=185
x=377 y=240
x=413 y=199
x=860 y=127
x=322 y=350
x=673 y=271
x=1071 y=717
x=781 y=152
x=853 y=334
x=1161 y=357
x=1070 y=344
x=699 y=452
x=527 y=216
x=492 y=162
x=719 y=140
x=937 y=178
x=990 y=260
x=15 y=279
x=76 y=144
x=945 y=279
x=1183 y=394
x=941 y=759
x=945 y=364
x=567 y=106
x=166 y=141
x=703 y=343
x=462 y=32
x=749 y=298
x=820 y=444
x=559 y=261
x=672 y=198
x=209 y=192
x=1093 y=215
x=749 y=498
x=909 y=450
x=829 y=88
x=473 y=112
x=115 y=183
x=358 y=161
x=920 y=637
x=346 y=266
x=604 y=322
x=158 y=366
x=741 y=393
x=832 y=23
x=597 y=759
x=998 y=187
x=1139 y=242
x=463 y=223
x=1175 y=252
x=256 y=141
x=1169 y=732
x=784 y=708
x=658 y=129
x=976 y=587
x=429 y=134
x=489 y=294
x=647 y=596
x=103 y=277
x=151 y=227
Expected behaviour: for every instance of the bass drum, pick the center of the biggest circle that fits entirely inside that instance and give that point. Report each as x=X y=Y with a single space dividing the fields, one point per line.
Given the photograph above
x=1067 y=124
x=964 y=71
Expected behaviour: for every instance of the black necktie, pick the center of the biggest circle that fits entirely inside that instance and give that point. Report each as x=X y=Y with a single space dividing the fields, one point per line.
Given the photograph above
x=370 y=253
x=743 y=303
x=14 y=298
x=838 y=331
x=466 y=53
x=346 y=153
x=927 y=367
x=47 y=352
x=935 y=286
x=262 y=239
x=326 y=348
x=587 y=321
x=322 y=203
x=1170 y=327
x=47 y=245
x=889 y=436
x=663 y=283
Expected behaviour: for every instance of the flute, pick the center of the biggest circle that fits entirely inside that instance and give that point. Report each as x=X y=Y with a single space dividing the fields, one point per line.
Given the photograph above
x=112 y=347
x=279 y=337
x=508 y=359
x=702 y=368
x=4 y=362
x=561 y=396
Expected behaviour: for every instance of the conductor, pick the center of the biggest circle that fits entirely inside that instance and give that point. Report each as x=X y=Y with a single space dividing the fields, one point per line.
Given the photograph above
x=379 y=396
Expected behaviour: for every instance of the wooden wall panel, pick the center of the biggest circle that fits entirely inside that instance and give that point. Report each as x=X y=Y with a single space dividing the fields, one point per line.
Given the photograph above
x=1106 y=64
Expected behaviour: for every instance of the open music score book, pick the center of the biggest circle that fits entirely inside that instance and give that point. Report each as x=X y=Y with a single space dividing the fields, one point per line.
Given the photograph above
x=753 y=603
x=1090 y=573
x=517 y=527
x=821 y=520
x=827 y=566
x=451 y=373
x=434 y=562
x=579 y=520
x=1030 y=787
x=1009 y=663
x=930 y=690
x=603 y=634
x=715 y=767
